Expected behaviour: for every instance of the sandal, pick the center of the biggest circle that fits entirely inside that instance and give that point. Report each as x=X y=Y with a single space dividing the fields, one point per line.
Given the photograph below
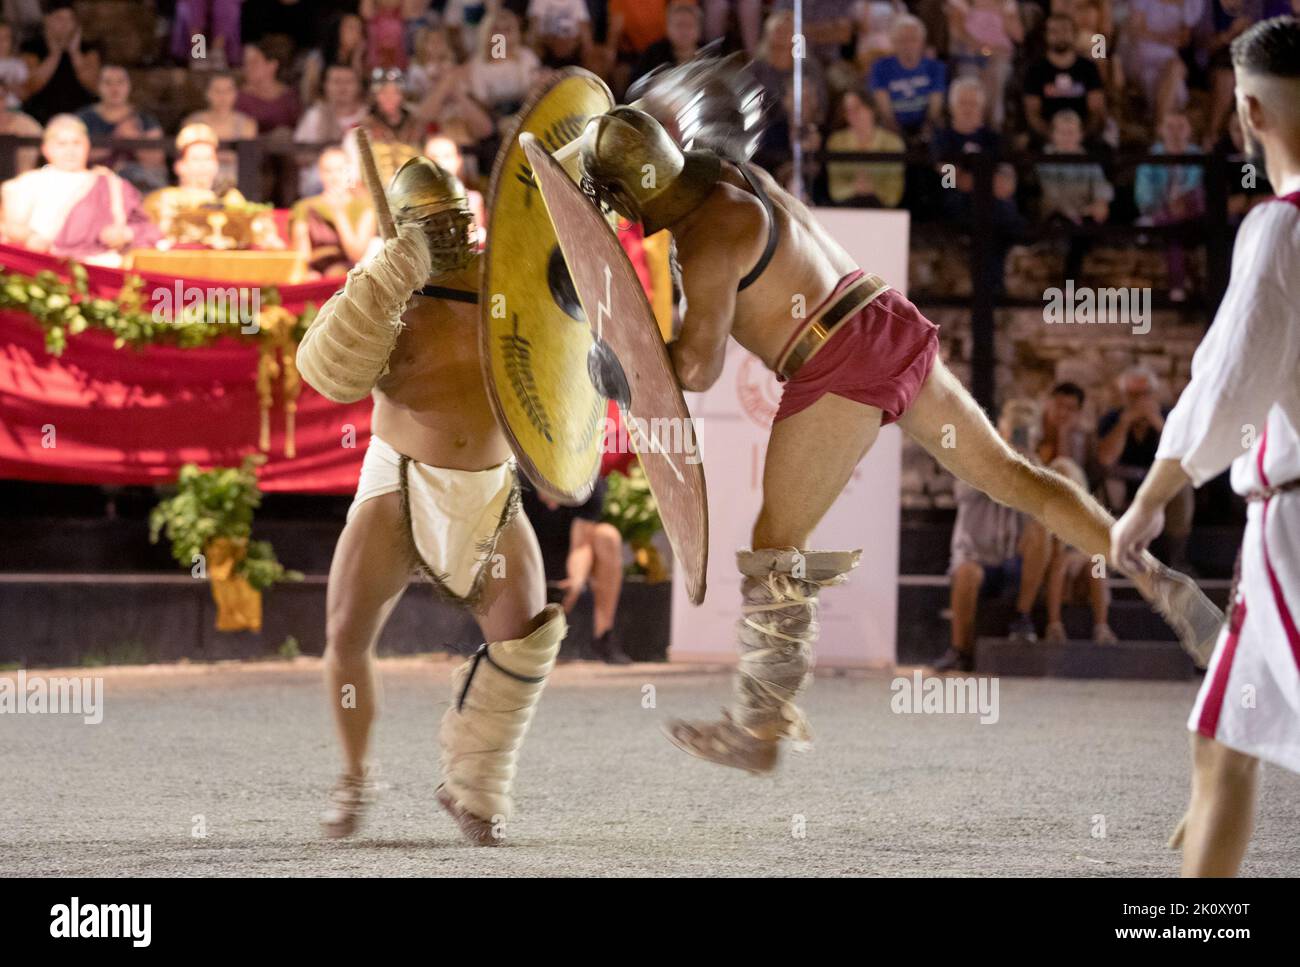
x=478 y=831
x=347 y=805
x=725 y=743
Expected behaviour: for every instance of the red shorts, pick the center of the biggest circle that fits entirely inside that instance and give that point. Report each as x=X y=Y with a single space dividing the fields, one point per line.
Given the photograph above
x=879 y=356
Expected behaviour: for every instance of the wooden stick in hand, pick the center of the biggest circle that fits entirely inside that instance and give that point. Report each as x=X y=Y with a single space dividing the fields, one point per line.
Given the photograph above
x=371 y=173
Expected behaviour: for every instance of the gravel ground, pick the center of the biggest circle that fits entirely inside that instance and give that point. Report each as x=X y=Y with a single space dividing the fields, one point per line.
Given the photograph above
x=1074 y=779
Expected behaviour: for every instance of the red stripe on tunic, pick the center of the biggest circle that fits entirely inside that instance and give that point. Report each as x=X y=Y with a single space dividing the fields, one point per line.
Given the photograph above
x=1208 y=726
x=1284 y=612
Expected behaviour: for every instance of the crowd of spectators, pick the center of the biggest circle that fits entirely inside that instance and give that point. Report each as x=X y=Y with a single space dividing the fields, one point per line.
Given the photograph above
x=939 y=80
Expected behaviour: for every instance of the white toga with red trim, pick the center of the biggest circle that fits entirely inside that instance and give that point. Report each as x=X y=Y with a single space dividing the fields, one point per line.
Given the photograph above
x=1242 y=407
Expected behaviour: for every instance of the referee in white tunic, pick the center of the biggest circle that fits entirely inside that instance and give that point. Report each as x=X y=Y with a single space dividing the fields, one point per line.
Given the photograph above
x=1242 y=408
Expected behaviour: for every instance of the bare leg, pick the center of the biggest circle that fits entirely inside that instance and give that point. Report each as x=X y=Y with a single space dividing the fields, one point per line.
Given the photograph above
x=985 y=461
x=1099 y=598
x=966 y=582
x=578 y=564
x=368 y=574
x=1035 y=554
x=1219 y=821
x=606 y=576
x=803 y=474
x=1056 y=585
x=516 y=596
x=976 y=454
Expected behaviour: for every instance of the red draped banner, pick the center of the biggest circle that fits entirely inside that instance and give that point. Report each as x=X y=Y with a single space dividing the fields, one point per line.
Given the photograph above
x=99 y=415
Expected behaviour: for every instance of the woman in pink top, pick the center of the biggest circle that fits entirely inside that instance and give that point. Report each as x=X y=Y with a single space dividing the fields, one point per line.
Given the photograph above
x=273 y=105
x=276 y=108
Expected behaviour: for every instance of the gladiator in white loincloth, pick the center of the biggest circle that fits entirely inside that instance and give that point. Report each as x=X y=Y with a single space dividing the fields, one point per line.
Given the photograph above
x=456 y=523
x=452 y=518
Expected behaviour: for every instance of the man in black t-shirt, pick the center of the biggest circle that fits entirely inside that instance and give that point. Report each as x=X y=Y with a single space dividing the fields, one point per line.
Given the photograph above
x=1062 y=80
x=58 y=66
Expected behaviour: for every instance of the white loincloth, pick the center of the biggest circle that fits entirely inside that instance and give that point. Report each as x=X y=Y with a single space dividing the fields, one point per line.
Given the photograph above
x=455 y=516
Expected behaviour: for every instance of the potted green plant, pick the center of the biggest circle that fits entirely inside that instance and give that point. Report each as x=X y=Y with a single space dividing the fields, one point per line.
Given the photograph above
x=209 y=521
x=643 y=625
x=631 y=507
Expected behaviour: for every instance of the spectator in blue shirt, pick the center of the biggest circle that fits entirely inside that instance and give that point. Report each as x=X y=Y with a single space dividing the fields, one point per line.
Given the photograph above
x=909 y=87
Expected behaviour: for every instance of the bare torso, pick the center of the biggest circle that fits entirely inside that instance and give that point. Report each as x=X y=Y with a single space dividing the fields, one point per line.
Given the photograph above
x=432 y=404
x=805 y=267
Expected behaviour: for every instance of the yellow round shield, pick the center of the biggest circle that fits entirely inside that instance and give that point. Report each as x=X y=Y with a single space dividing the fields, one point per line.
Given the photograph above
x=534 y=336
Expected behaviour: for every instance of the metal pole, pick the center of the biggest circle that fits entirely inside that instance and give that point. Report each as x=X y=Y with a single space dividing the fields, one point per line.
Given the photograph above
x=796 y=127
x=8 y=156
x=1218 y=242
x=983 y=356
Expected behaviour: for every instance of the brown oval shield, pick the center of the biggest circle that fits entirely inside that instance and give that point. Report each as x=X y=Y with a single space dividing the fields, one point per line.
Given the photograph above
x=659 y=424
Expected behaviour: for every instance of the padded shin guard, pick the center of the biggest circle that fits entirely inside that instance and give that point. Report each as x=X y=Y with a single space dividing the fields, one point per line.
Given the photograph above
x=493 y=698
x=777 y=632
x=345 y=350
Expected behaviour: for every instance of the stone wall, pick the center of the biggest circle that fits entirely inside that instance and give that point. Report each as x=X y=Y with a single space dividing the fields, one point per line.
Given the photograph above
x=1033 y=355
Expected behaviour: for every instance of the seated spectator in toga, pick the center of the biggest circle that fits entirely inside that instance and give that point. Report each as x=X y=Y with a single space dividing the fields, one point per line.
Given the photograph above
x=197 y=168
x=334 y=229
x=70 y=210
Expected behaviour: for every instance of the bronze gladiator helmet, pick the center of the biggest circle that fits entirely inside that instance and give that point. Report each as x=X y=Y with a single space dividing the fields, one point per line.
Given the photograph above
x=631 y=163
x=427 y=195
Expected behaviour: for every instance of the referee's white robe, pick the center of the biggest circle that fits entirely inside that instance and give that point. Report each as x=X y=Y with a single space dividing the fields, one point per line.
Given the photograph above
x=1242 y=408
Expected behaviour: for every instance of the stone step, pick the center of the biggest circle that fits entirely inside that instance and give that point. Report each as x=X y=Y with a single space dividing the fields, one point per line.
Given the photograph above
x=1140 y=660
x=62 y=620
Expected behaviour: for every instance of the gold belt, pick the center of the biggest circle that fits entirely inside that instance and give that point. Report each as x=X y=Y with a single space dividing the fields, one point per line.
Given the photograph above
x=820 y=328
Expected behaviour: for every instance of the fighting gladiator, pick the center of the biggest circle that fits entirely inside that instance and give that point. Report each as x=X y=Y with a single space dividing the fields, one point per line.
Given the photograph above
x=438 y=496
x=853 y=355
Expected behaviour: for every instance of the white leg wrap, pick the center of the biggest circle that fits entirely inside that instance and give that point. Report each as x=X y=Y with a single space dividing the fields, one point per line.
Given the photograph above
x=345 y=350
x=777 y=633
x=493 y=698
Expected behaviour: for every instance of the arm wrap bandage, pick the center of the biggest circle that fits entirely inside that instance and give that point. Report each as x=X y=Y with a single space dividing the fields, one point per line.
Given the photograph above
x=346 y=349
